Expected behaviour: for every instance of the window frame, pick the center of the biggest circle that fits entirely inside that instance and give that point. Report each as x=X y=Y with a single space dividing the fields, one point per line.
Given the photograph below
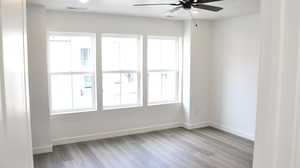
x=92 y=73
x=142 y=72
x=177 y=71
x=139 y=71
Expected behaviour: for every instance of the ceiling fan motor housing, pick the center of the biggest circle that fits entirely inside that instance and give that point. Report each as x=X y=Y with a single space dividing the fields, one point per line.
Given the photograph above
x=187 y=4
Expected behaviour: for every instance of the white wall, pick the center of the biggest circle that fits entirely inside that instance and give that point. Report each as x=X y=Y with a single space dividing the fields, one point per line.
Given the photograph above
x=82 y=126
x=278 y=121
x=186 y=70
x=236 y=51
x=200 y=70
x=38 y=85
x=196 y=69
x=97 y=23
x=197 y=77
x=64 y=126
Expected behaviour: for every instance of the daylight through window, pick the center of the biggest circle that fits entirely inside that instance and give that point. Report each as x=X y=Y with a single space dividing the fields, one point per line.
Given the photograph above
x=163 y=73
x=72 y=72
x=121 y=71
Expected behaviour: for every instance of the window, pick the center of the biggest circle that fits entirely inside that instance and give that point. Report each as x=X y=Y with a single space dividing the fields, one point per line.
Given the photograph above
x=163 y=71
x=84 y=56
x=121 y=72
x=72 y=72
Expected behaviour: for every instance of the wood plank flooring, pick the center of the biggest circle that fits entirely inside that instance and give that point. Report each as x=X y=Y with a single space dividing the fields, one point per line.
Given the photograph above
x=174 y=148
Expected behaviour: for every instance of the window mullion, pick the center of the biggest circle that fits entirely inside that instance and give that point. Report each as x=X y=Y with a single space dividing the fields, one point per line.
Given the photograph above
x=71 y=68
x=72 y=93
x=139 y=87
x=161 y=86
x=121 y=71
x=99 y=75
x=145 y=70
x=163 y=70
x=160 y=53
x=120 y=77
x=72 y=73
x=94 y=91
x=177 y=86
x=120 y=67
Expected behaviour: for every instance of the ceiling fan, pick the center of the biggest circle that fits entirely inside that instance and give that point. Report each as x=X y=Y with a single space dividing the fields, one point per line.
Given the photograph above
x=187 y=5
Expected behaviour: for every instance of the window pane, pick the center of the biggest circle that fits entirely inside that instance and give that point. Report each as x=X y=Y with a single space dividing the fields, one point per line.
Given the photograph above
x=83 y=91
x=169 y=54
x=120 y=89
x=129 y=84
x=111 y=89
x=60 y=55
x=154 y=87
x=71 y=53
x=162 y=69
x=120 y=67
x=61 y=92
x=154 y=54
x=120 y=53
x=162 y=53
x=162 y=86
x=169 y=83
x=72 y=64
x=110 y=54
x=83 y=58
x=129 y=53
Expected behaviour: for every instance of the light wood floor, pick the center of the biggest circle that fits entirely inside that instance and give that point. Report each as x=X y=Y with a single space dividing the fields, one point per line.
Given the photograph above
x=174 y=148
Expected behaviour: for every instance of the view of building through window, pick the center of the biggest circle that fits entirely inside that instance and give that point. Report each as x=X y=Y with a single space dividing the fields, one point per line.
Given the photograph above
x=163 y=70
x=72 y=72
x=84 y=56
x=121 y=70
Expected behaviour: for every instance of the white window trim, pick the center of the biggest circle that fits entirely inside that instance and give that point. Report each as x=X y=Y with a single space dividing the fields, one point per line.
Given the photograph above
x=142 y=73
x=94 y=73
x=178 y=70
x=139 y=73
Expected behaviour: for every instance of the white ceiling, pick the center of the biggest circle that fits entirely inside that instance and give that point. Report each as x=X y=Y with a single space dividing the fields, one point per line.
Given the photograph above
x=124 y=7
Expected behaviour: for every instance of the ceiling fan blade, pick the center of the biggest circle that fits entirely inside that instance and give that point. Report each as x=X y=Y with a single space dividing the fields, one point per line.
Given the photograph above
x=157 y=4
x=207 y=7
x=174 y=9
x=207 y=1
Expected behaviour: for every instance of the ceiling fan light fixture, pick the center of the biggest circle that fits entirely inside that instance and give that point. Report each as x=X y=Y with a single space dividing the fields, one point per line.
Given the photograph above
x=84 y=1
x=194 y=11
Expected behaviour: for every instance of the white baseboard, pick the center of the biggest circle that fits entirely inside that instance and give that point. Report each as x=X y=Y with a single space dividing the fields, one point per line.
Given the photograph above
x=231 y=131
x=42 y=149
x=111 y=134
x=190 y=126
x=118 y=133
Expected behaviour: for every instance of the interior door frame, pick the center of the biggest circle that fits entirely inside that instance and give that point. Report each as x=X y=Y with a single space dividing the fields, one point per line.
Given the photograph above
x=15 y=129
x=277 y=142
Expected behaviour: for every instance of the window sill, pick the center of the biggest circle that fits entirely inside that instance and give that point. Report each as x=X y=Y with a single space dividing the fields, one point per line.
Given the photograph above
x=117 y=108
x=164 y=103
x=73 y=112
x=122 y=107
